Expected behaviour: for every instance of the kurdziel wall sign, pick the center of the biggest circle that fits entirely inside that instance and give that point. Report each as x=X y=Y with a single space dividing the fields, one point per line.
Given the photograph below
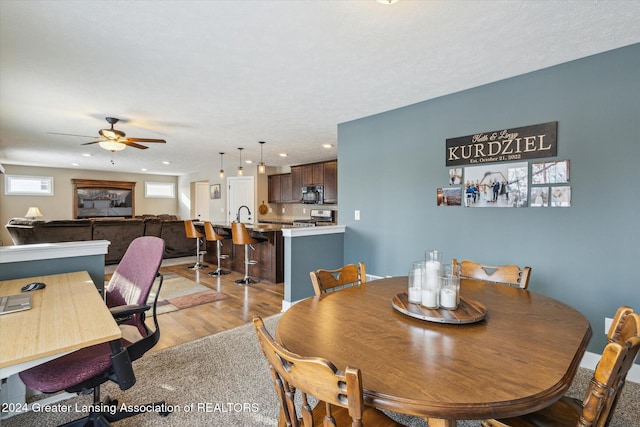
x=505 y=145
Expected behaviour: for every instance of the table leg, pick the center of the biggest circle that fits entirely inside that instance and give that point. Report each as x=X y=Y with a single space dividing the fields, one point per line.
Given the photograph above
x=440 y=422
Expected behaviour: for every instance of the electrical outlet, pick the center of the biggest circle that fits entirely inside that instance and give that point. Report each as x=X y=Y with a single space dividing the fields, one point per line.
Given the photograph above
x=304 y=210
x=282 y=210
x=607 y=324
x=357 y=215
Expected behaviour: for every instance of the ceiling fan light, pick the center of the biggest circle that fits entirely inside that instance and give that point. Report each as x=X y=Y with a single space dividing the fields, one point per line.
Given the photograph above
x=111 y=133
x=112 y=145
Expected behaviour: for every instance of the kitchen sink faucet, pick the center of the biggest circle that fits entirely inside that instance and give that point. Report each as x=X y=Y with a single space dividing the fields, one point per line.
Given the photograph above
x=239 y=209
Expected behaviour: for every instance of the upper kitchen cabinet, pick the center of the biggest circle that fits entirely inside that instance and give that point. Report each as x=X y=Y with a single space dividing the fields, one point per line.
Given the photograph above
x=287 y=188
x=274 y=188
x=331 y=182
x=296 y=183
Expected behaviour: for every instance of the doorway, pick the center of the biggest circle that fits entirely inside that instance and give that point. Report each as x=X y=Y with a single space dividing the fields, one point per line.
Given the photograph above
x=200 y=208
x=241 y=193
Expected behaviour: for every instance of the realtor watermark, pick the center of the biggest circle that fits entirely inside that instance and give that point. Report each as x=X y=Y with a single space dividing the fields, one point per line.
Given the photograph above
x=200 y=407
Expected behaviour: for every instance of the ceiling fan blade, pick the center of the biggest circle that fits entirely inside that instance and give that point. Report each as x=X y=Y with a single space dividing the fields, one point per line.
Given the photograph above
x=70 y=134
x=133 y=144
x=146 y=140
x=89 y=143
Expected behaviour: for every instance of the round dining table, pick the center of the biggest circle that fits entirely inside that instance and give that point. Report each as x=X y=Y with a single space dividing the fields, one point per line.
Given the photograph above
x=519 y=357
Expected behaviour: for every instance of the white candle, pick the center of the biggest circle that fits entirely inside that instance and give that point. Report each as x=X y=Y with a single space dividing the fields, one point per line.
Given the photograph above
x=414 y=295
x=433 y=273
x=429 y=298
x=448 y=298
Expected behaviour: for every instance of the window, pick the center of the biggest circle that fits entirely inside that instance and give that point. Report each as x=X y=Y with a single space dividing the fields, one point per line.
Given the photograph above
x=20 y=185
x=160 y=190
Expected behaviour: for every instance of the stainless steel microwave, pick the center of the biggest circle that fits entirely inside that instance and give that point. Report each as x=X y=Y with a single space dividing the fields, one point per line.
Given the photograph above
x=313 y=194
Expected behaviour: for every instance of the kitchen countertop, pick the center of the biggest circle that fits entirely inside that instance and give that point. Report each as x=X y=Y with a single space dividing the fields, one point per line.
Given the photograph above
x=256 y=226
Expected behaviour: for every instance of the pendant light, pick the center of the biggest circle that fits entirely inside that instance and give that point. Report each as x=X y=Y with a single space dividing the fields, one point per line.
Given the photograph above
x=262 y=169
x=240 y=170
x=221 y=167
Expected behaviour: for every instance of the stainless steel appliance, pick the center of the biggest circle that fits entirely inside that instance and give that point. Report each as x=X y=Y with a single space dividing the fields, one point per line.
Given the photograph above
x=318 y=217
x=313 y=194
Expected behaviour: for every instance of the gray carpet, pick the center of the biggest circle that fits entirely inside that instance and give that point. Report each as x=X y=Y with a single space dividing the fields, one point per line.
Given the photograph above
x=223 y=380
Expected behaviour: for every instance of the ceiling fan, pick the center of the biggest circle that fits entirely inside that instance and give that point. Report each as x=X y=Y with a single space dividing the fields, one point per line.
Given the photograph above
x=115 y=140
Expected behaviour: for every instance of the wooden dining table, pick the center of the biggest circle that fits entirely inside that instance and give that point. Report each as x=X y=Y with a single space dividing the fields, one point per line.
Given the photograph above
x=520 y=357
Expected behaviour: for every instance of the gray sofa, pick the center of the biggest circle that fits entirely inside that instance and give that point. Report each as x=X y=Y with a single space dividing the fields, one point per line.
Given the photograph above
x=119 y=231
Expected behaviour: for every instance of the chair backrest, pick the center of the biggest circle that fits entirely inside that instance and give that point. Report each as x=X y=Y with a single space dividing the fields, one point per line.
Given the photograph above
x=134 y=276
x=312 y=376
x=191 y=230
x=507 y=274
x=331 y=280
x=210 y=232
x=240 y=234
x=610 y=374
x=624 y=331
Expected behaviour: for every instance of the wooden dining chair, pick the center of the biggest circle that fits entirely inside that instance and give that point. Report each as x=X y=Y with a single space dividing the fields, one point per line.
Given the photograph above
x=508 y=274
x=332 y=280
x=339 y=393
x=601 y=398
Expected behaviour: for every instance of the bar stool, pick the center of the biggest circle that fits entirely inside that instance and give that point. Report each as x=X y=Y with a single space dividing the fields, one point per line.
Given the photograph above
x=241 y=236
x=211 y=236
x=193 y=233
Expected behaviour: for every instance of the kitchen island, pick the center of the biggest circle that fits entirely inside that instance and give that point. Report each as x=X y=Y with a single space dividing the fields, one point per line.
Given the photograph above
x=269 y=252
x=285 y=253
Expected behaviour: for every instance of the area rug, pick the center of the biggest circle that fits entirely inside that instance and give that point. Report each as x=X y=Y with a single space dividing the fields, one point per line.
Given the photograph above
x=223 y=380
x=179 y=293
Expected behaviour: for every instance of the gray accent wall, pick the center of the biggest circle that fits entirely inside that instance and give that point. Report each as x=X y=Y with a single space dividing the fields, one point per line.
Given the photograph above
x=586 y=255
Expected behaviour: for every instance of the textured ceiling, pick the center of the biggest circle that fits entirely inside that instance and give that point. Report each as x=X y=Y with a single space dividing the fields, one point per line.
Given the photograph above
x=211 y=76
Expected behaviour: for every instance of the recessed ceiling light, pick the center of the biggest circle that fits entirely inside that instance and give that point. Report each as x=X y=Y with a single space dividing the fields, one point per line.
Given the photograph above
x=327 y=145
x=75 y=164
x=248 y=161
x=143 y=169
x=283 y=154
x=166 y=162
x=87 y=154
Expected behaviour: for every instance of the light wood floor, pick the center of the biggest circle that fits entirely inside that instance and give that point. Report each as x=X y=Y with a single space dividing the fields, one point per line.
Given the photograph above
x=244 y=302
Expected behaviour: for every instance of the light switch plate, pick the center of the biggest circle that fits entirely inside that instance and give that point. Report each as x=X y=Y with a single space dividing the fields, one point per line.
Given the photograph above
x=357 y=215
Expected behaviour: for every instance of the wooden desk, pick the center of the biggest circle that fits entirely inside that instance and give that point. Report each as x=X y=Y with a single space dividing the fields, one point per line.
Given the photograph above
x=67 y=315
x=521 y=357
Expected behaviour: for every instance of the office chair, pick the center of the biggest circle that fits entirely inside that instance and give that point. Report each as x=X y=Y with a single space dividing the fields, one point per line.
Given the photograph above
x=85 y=369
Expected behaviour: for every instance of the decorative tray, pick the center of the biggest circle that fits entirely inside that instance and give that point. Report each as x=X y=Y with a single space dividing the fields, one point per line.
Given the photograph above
x=468 y=311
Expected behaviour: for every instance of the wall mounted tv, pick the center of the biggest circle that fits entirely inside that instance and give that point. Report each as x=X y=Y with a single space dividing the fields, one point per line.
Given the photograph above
x=97 y=198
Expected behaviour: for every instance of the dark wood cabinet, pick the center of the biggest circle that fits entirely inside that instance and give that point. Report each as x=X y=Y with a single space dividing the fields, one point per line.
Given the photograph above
x=307 y=174
x=286 y=187
x=331 y=182
x=296 y=183
x=274 y=188
x=318 y=174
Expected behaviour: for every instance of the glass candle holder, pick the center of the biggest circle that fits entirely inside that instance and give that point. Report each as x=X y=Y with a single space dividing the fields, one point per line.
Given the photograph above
x=416 y=282
x=433 y=263
x=450 y=287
